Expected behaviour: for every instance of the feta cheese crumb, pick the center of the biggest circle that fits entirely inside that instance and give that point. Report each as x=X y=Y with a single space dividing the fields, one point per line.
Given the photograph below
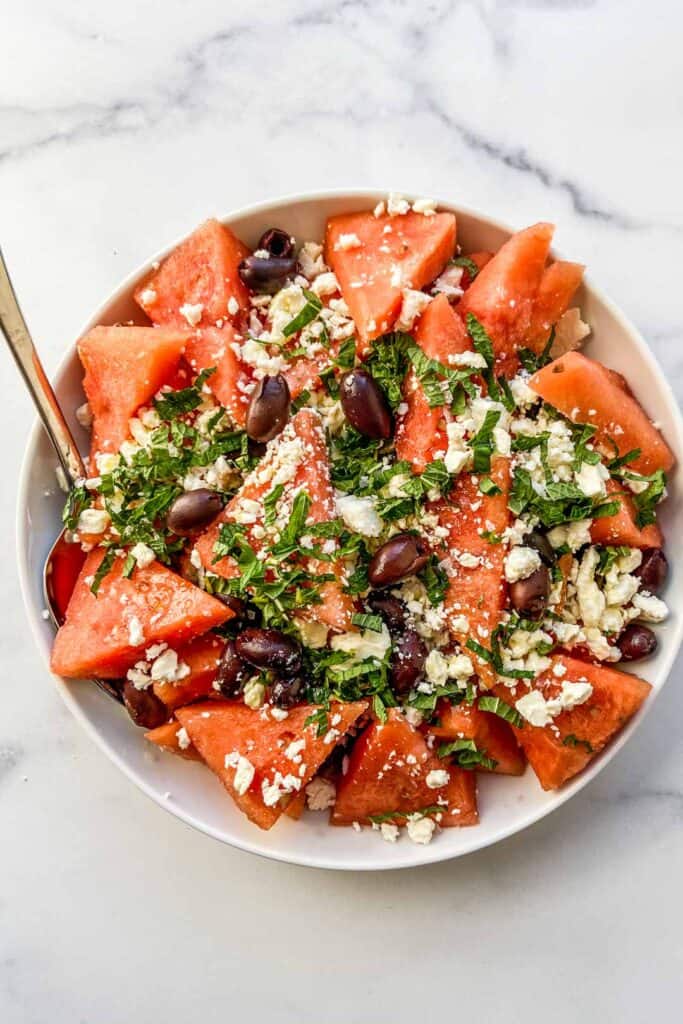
x=389 y=832
x=414 y=303
x=650 y=608
x=420 y=830
x=520 y=563
x=148 y=296
x=93 y=520
x=254 y=693
x=437 y=778
x=136 y=637
x=349 y=241
x=142 y=554
x=320 y=794
x=192 y=312
x=363 y=645
x=244 y=773
x=425 y=206
x=233 y=306
x=397 y=205
x=84 y=415
x=183 y=738
x=359 y=514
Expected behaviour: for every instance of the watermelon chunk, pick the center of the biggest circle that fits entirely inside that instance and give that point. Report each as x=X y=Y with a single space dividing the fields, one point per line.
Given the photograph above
x=124 y=367
x=201 y=271
x=394 y=253
x=166 y=738
x=220 y=728
x=380 y=780
x=503 y=294
x=101 y=633
x=213 y=347
x=558 y=752
x=587 y=392
x=556 y=290
x=492 y=735
x=622 y=528
x=302 y=448
x=480 y=259
x=420 y=431
x=202 y=656
x=476 y=594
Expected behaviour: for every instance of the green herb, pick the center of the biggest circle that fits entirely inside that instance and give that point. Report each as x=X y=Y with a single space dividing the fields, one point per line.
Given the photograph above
x=482 y=443
x=78 y=500
x=562 y=503
x=104 y=568
x=487 y=486
x=435 y=581
x=301 y=401
x=388 y=364
x=178 y=403
x=498 y=707
x=372 y=622
x=480 y=339
x=572 y=741
x=467 y=754
x=623 y=460
x=270 y=504
x=533 y=361
x=310 y=312
x=646 y=502
x=469 y=265
x=388 y=816
x=320 y=719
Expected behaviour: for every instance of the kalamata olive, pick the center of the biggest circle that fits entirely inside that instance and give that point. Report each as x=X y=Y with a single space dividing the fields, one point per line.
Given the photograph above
x=286 y=691
x=407 y=661
x=235 y=604
x=277 y=242
x=390 y=608
x=192 y=511
x=232 y=672
x=364 y=404
x=529 y=597
x=144 y=707
x=268 y=409
x=653 y=570
x=266 y=273
x=540 y=543
x=402 y=556
x=636 y=642
x=269 y=648
x=256 y=449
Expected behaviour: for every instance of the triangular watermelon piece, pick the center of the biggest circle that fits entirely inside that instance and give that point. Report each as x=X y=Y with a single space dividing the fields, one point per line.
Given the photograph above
x=212 y=347
x=166 y=738
x=394 y=253
x=556 y=290
x=387 y=774
x=124 y=368
x=284 y=754
x=299 y=455
x=201 y=656
x=420 y=431
x=101 y=633
x=491 y=734
x=202 y=272
x=559 y=751
x=502 y=295
x=476 y=593
x=622 y=528
x=587 y=392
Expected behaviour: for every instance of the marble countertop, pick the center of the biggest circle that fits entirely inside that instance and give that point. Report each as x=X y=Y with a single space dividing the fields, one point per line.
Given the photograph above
x=123 y=125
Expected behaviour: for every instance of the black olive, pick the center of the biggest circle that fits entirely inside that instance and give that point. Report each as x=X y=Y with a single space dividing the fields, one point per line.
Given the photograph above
x=269 y=648
x=144 y=707
x=232 y=672
x=540 y=543
x=192 y=511
x=653 y=570
x=268 y=409
x=404 y=555
x=277 y=242
x=266 y=273
x=286 y=691
x=407 y=661
x=529 y=597
x=364 y=404
x=390 y=608
x=636 y=642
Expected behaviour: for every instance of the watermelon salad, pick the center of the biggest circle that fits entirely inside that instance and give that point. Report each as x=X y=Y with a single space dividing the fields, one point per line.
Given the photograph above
x=363 y=521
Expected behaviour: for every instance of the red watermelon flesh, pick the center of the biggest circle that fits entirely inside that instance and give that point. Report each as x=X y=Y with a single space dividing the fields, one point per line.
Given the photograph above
x=166 y=738
x=230 y=384
x=124 y=368
x=202 y=656
x=203 y=272
x=101 y=633
x=394 y=253
x=558 y=752
x=387 y=775
x=622 y=527
x=302 y=444
x=284 y=754
x=503 y=294
x=556 y=290
x=420 y=432
x=491 y=734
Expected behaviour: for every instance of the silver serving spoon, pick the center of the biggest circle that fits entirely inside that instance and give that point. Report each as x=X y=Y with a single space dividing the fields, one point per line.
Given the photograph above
x=19 y=340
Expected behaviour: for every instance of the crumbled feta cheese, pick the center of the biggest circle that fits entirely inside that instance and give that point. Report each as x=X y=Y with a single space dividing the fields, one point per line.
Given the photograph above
x=522 y=394
x=650 y=608
x=348 y=241
x=311 y=261
x=437 y=778
x=573 y=694
x=244 y=775
x=414 y=304
x=591 y=599
x=192 y=312
x=420 y=830
x=84 y=415
x=389 y=832
x=436 y=668
x=183 y=738
x=379 y=209
x=366 y=644
x=313 y=634
x=448 y=283
x=359 y=514
x=325 y=284
x=576 y=535
x=168 y=669
x=136 y=637
x=590 y=479
x=142 y=554
x=520 y=563
x=397 y=205
x=106 y=463
x=93 y=520
x=148 y=296
x=425 y=206
x=533 y=707
x=320 y=794
x=254 y=693
x=233 y=306
x=285 y=305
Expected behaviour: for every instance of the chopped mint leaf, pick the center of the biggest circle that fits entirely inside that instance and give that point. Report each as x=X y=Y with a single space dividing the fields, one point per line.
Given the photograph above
x=498 y=707
x=373 y=622
x=177 y=403
x=104 y=568
x=79 y=499
x=467 y=754
x=469 y=265
x=309 y=313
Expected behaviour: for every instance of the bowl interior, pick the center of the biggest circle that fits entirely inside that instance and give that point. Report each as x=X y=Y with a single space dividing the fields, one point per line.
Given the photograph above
x=188 y=790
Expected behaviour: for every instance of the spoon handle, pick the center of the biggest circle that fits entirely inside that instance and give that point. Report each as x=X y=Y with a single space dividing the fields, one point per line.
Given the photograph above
x=16 y=334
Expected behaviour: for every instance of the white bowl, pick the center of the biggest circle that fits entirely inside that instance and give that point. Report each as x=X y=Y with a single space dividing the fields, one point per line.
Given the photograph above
x=188 y=790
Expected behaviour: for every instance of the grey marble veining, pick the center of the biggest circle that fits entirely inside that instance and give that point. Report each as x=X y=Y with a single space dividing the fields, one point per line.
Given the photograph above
x=123 y=125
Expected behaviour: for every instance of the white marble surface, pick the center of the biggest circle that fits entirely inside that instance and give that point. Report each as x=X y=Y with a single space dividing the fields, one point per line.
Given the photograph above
x=121 y=126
